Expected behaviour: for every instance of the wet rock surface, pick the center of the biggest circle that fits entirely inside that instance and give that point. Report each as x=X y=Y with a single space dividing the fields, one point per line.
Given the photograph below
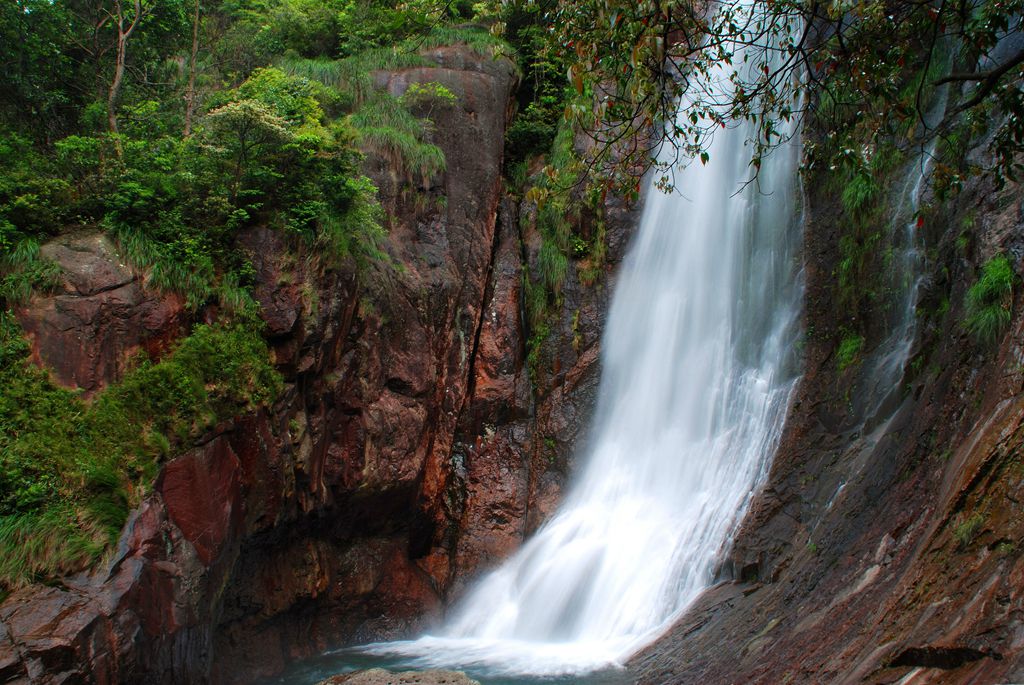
x=889 y=550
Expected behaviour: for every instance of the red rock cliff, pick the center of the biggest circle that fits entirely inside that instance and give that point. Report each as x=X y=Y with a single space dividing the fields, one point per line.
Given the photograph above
x=409 y=450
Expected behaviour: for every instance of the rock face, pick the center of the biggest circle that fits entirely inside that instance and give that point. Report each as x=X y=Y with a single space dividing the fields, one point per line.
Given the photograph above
x=889 y=550
x=514 y=448
x=100 y=316
x=409 y=449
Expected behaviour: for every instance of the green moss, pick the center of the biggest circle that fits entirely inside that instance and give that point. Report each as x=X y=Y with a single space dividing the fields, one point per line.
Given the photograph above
x=860 y=194
x=849 y=351
x=990 y=300
x=534 y=344
x=70 y=470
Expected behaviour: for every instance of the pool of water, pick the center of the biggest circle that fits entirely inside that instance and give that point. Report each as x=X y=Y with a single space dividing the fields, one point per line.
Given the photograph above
x=314 y=669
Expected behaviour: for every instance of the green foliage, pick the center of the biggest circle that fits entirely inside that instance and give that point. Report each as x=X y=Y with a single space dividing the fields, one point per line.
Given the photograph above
x=531 y=133
x=569 y=218
x=257 y=33
x=266 y=153
x=849 y=351
x=860 y=195
x=534 y=346
x=358 y=231
x=294 y=99
x=33 y=203
x=388 y=128
x=281 y=96
x=351 y=77
x=34 y=48
x=476 y=38
x=24 y=270
x=383 y=124
x=70 y=470
x=990 y=300
x=427 y=96
x=552 y=265
x=542 y=94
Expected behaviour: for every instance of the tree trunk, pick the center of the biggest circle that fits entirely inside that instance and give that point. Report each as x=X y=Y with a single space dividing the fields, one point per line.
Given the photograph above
x=123 y=35
x=190 y=90
x=115 y=86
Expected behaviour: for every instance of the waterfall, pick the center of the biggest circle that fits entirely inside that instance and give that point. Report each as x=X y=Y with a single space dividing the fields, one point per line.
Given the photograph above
x=698 y=367
x=880 y=395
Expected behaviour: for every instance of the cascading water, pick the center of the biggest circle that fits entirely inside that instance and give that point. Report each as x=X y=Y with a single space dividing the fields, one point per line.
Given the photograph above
x=879 y=395
x=697 y=374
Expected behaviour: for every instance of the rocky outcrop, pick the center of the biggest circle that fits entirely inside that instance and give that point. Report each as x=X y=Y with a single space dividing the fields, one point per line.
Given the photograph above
x=523 y=427
x=410 y=448
x=100 y=316
x=886 y=550
x=307 y=524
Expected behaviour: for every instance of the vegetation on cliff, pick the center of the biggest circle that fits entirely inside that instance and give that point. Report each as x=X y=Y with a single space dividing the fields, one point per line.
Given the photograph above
x=70 y=470
x=990 y=299
x=174 y=124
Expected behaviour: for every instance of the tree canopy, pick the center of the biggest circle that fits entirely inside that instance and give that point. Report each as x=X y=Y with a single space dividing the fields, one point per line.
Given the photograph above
x=875 y=66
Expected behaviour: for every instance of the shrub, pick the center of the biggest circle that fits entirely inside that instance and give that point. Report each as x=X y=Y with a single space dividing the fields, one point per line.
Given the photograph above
x=24 y=270
x=531 y=133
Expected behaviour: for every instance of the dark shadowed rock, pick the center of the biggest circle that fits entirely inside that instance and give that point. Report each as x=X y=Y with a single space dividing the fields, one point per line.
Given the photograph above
x=279 y=281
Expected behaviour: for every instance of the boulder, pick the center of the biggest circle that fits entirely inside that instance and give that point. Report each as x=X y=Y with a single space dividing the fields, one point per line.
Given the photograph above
x=101 y=314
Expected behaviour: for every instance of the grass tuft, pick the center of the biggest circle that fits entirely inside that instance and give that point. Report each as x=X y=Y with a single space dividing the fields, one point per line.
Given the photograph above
x=990 y=300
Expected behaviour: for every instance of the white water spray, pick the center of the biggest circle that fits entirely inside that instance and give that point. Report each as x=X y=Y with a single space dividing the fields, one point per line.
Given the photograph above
x=697 y=374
